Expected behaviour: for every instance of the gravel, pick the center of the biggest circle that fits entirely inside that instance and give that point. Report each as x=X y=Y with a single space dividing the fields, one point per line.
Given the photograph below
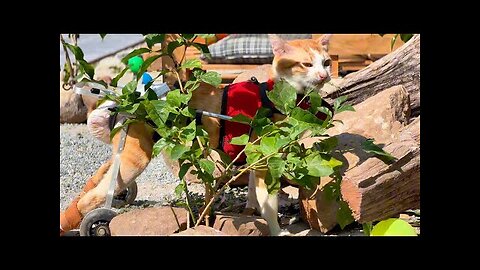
x=81 y=155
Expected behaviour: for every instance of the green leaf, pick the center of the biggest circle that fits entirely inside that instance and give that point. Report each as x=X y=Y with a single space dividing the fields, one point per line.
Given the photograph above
x=276 y=166
x=206 y=35
x=339 y=101
x=261 y=120
x=146 y=64
x=119 y=76
x=241 y=118
x=331 y=161
x=316 y=168
x=183 y=170
x=283 y=96
x=331 y=191
x=67 y=72
x=367 y=228
x=152 y=39
x=345 y=107
x=203 y=48
x=273 y=184
x=315 y=102
x=132 y=108
x=188 y=112
x=159 y=146
x=252 y=153
x=87 y=68
x=85 y=80
x=241 y=140
x=188 y=36
x=393 y=227
x=129 y=87
x=267 y=145
x=369 y=147
x=281 y=141
x=197 y=73
x=176 y=99
x=188 y=132
x=327 y=145
x=212 y=78
x=150 y=95
x=179 y=189
x=134 y=53
x=344 y=214
x=293 y=159
x=178 y=150
x=116 y=129
x=156 y=111
x=76 y=51
x=191 y=64
x=172 y=46
x=207 y=166
x=102 y=36
x=392 y=43
x=305 y=116
x=191 y=85
x=406 y=37
x=297 y=128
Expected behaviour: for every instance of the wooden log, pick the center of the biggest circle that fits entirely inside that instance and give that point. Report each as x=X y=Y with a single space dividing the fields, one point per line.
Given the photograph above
x=400 y=67
x=375 y=190
x=381 y=118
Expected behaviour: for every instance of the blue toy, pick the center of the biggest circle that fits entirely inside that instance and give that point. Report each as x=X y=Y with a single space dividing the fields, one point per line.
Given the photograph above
x=146 y=78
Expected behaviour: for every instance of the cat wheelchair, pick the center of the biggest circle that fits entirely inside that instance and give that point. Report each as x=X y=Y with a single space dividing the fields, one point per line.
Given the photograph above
x=96 y=222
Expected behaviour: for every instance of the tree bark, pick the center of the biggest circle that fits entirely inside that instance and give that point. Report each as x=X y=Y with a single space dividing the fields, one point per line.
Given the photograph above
x=401 y=67
x=375 y=191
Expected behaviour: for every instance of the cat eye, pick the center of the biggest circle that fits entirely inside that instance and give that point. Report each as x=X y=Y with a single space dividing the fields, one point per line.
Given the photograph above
x=307 y=64
x=327 y=62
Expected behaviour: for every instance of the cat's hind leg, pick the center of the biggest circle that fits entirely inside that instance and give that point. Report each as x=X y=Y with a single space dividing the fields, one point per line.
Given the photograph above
x=134 y=159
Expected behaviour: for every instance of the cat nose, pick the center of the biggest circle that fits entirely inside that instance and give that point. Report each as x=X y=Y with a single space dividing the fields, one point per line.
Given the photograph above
x=322 y=76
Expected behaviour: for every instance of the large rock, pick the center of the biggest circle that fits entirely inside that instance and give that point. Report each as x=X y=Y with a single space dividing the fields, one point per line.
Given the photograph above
x=201 y=230
x=241 y=225
x=72 y=109
x=380 y=117
x=150 y=221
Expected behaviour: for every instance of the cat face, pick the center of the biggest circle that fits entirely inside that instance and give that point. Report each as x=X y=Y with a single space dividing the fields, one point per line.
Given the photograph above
x=302 y=63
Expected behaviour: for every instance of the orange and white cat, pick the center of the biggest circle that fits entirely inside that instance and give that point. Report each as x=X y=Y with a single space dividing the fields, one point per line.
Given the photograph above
x=302 y=63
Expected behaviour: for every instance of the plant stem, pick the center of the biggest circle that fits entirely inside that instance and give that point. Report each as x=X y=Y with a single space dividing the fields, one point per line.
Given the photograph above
x=241 y=152
x=226 y=185
x=67 y=58
x=179 y=81
x=187 y=199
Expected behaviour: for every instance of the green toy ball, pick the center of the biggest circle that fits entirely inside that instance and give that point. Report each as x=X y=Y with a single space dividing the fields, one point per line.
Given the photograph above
x=135 y=63
x=393 y=227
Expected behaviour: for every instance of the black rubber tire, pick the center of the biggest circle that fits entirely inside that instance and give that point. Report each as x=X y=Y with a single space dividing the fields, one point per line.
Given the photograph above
x=100 y=215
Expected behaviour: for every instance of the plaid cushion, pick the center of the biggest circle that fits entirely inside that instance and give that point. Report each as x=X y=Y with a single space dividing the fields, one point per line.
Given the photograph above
x=246 y=48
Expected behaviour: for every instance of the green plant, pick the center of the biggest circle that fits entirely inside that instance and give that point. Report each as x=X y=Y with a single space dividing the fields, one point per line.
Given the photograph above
x=277 y=150
x=389 y=227
x=403 y=37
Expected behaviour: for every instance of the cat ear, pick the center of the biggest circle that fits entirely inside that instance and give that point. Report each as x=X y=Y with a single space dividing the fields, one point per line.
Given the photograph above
x=279 y=46
x=324 y=40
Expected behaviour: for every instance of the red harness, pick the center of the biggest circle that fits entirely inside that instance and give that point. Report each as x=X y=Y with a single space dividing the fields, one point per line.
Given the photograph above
x=246 y=98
